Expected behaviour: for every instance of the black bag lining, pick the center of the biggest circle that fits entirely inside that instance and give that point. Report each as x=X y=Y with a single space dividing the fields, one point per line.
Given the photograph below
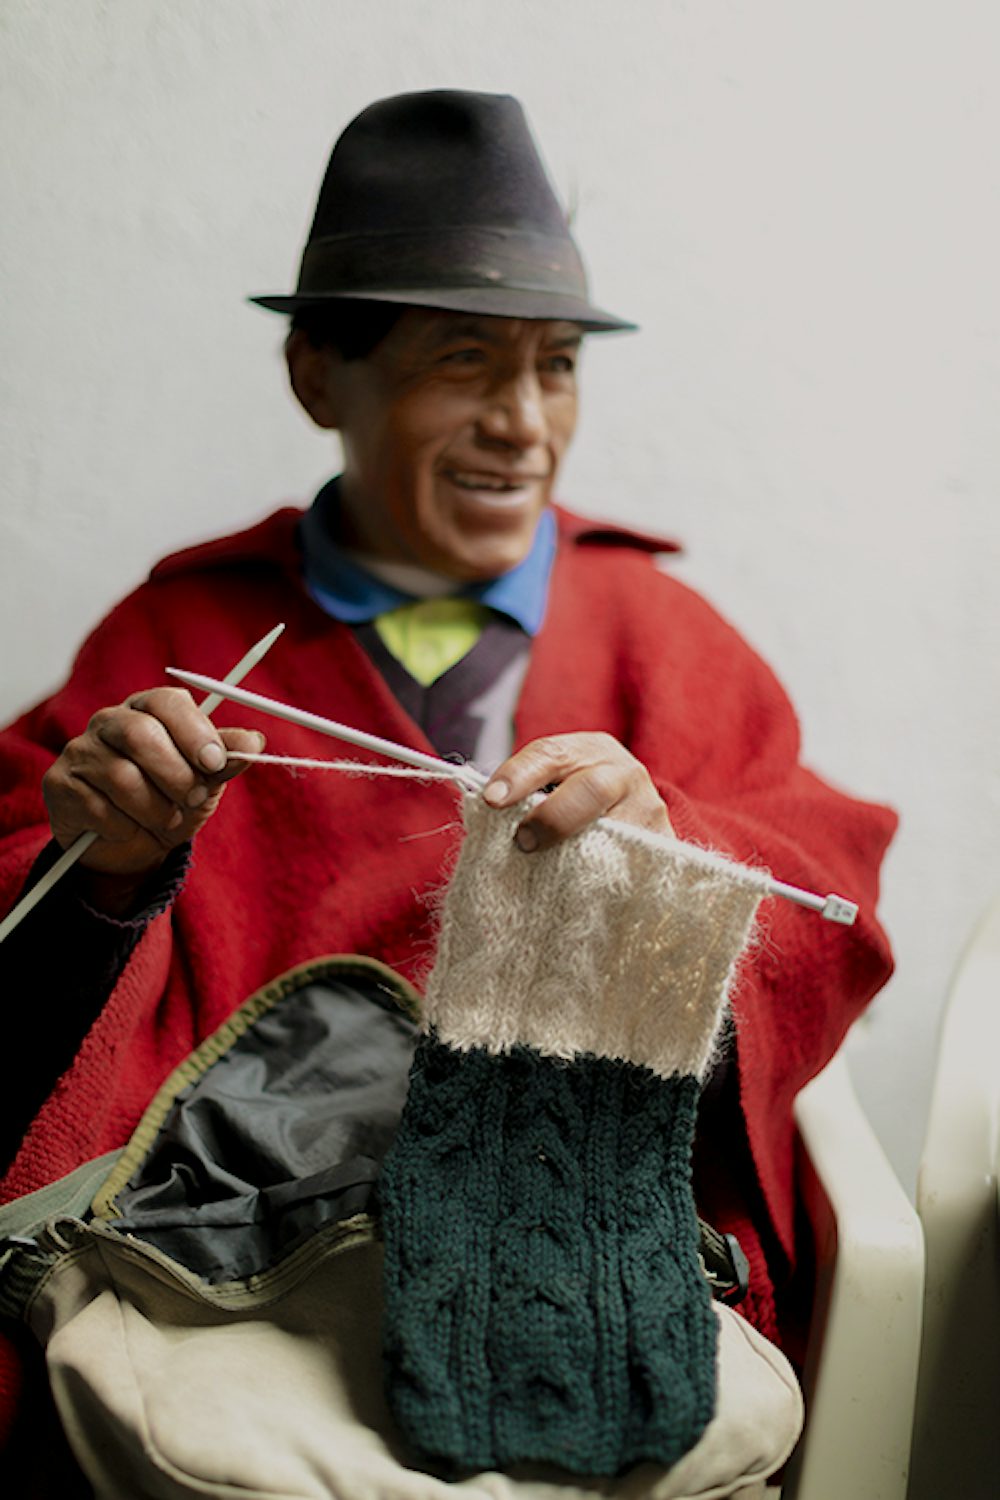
x=275 y=1128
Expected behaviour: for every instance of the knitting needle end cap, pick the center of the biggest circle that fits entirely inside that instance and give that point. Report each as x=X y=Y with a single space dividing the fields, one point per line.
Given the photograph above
x=837 y=909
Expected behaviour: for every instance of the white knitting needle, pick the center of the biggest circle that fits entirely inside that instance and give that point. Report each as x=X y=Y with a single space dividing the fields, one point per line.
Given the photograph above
x=833 y=908
x=79 y=847
x=330 y=727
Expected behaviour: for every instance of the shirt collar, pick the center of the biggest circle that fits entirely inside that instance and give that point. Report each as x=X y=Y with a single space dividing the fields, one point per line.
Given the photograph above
x=349 y=592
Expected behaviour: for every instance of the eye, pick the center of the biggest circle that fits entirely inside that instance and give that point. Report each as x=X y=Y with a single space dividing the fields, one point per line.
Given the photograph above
x=559 y=364
x=465 y=356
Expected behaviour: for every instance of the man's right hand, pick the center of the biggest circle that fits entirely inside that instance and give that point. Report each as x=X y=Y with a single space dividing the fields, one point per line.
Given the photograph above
x=145 y=776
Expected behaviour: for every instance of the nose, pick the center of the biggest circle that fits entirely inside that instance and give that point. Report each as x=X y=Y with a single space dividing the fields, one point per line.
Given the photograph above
x=513 y=415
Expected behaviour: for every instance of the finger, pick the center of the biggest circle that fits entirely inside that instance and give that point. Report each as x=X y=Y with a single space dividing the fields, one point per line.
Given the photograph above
x=587 y=794
x=192 y=732
x=91 y=786
x=128 y=789
x=247 y=742
x=75 y=806
x=165 y=734
x=588 y=776
x=199 y=809
x=579 y=801
x=537 y=767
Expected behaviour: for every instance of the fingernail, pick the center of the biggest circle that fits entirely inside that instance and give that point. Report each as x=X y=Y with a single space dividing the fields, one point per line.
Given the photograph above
x=496 y=793
x=212 y=757
x=526 y=839
x=197 y=796
x=261 y=741
x=176 y=818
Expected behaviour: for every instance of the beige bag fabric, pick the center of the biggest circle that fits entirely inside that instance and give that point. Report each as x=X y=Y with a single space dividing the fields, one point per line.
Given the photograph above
x=271 y=1389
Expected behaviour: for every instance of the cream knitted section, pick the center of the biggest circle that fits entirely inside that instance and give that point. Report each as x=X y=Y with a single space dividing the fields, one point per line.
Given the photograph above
x=618 y=944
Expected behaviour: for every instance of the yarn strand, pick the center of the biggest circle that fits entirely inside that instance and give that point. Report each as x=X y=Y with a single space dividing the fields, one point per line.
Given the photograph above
x=464 y=776
x=470 y=780
x=832 y=908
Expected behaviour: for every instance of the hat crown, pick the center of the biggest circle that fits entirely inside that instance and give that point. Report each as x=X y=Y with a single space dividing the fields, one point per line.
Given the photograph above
x=443 y=157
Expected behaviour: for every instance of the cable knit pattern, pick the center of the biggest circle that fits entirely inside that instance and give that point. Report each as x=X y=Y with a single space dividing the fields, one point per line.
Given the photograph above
x=544 y=1300
x=622 y=947
x=543 y=1296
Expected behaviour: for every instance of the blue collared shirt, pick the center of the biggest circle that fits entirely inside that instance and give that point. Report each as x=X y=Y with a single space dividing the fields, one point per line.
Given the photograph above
x=350 y=593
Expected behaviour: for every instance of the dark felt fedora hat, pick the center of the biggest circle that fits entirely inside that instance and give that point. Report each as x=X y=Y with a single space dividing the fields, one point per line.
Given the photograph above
x=440 y=199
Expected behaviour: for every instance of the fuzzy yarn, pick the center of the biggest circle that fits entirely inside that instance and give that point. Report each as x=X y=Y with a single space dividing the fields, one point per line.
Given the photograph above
x=617 y=946
x=543 y=1297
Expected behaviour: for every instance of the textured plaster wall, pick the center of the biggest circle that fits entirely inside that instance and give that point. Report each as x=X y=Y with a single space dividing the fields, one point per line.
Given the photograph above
x=797 y=202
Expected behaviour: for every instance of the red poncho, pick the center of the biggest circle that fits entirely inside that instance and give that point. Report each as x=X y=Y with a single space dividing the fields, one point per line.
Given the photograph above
x=292 y=868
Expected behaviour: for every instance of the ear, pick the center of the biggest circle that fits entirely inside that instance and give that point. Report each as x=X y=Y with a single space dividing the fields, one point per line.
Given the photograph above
x=313 y=376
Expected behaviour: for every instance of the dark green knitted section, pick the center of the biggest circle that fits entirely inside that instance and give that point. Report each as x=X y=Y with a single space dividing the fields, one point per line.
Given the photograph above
x=544 y=1300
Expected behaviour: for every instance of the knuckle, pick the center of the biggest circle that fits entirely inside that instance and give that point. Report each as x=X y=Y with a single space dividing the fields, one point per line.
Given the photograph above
x=638 y=782
x=74 y=754
x=613 y=753
x=142 y=735
x=54 y=799
x=549 y=753
x=602 y=743
x=102 y=721
x=603 y=783
x=62 y=789
x=159 y=700
x=54 y=780
x=125 y=782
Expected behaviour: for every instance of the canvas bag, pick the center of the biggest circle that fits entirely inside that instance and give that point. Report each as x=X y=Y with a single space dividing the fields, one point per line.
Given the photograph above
x=245 y=1358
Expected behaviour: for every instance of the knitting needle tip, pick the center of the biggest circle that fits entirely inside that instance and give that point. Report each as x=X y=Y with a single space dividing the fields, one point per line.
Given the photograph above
x=76 y=850
x=243 y=666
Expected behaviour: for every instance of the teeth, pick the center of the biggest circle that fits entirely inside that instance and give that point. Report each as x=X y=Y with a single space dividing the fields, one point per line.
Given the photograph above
x=482 y=482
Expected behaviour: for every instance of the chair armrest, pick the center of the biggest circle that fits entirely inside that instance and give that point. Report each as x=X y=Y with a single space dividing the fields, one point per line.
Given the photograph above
x=864 y=1345
x=957 y=1441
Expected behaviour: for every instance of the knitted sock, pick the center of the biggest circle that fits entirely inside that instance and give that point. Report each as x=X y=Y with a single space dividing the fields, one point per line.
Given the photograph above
x=544 y=1300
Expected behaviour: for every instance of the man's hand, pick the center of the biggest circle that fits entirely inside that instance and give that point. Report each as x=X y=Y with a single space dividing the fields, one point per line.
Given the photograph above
x=592 y=775
x=145 y=776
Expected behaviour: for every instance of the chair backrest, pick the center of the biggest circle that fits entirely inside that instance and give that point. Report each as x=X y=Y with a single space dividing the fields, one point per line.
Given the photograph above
x=957 y=1428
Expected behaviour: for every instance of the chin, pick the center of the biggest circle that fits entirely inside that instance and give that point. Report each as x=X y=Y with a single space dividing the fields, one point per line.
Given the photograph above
x=475 y=555
x=478 y=564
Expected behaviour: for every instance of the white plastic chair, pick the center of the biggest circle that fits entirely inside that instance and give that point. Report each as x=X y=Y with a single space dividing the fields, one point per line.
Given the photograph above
x=861 y=1369
x=957 y=1434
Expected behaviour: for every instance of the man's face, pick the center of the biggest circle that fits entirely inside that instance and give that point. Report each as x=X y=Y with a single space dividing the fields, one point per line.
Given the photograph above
x=453 y=430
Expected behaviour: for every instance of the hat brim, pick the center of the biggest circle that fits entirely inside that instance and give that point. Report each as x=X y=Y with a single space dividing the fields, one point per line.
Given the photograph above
x=493 y=301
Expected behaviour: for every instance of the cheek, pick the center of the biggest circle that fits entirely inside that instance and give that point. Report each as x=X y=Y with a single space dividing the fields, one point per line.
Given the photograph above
x=410 y=481
x=562 y=423
x=422 y=433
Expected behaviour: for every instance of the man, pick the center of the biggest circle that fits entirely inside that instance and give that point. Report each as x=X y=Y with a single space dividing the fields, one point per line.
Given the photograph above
x=433 y=595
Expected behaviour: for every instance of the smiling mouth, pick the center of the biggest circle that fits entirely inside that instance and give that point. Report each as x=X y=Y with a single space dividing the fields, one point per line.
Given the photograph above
x=493 y=489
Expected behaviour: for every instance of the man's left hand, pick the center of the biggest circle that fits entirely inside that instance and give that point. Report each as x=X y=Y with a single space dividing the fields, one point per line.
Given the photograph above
x=591 y=775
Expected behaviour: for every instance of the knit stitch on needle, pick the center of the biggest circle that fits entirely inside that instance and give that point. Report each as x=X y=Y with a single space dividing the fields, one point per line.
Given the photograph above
x=544 y=1299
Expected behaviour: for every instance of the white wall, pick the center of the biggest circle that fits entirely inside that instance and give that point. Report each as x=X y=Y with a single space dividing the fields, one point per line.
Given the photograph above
x=798 y=203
